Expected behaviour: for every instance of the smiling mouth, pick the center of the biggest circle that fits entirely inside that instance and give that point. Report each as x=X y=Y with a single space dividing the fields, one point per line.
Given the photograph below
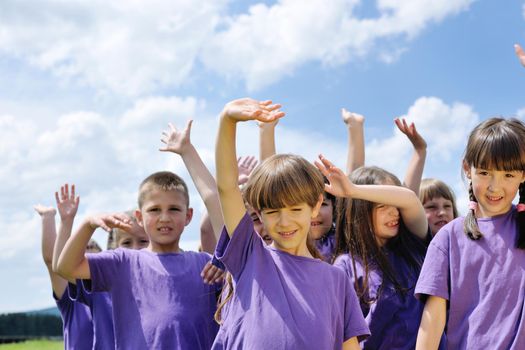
x=494 y=199
x=287 y=233
x=441 y=223
x=392 y=223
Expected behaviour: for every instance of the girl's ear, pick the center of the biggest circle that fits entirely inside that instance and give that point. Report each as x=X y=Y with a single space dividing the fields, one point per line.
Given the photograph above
x=466 y=169
x=317 y=207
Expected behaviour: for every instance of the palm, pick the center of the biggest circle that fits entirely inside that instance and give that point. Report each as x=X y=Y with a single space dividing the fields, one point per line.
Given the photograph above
x=176 y=140
x=521 y=54
x=67 y=203
x=411 y=133
x=249 y=109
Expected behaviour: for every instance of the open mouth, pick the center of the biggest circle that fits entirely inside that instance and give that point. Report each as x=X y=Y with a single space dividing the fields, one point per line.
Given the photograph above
x=494 y=198
x=164 y=229
x=393 y=223
x=441 y=223
x=287 y=233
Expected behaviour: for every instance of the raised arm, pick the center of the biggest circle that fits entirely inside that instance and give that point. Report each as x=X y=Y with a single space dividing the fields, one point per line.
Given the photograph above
x=47 y=215
x=432 y=323
x=356 y=140
x=520 y=53
x=226 y=155
x=67 y=204
x=179 y=142
x=417 y=162
x=72 y=263
x=405 y=200
x=267 y=139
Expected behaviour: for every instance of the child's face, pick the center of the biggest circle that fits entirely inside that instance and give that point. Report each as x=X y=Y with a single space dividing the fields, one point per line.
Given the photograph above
x=289 y=226
x=258 y=225
x=322 y=223
x=385 y=219
x=163 y=215
x=439 y=212
x=494 y=189
x=136 y=238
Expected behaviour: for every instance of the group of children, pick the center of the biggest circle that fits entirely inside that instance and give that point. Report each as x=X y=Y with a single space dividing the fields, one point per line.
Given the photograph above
x=299 y=255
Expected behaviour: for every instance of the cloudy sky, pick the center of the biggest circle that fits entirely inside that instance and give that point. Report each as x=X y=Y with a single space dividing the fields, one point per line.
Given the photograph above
x=88 y=86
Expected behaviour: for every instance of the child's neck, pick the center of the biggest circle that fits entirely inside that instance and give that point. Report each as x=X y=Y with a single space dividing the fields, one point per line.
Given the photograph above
x=301 y=250
x=164 y=248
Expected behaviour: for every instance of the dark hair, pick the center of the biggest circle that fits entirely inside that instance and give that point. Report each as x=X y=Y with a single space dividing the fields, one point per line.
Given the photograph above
x=355 y=236
x=496 y=144
x=434 y=188
x=165 y=181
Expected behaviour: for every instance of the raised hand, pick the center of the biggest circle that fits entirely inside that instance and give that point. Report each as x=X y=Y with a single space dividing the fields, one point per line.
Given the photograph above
x=176 y=141
x=339 y=185
x=352 y=119
x=45 y=211
x=211 y=274
x=67 y=203
x=249 y=109
x=520 y=53
x=268 y=125
x=246 y=166
x=110 y=221
x=411 y=133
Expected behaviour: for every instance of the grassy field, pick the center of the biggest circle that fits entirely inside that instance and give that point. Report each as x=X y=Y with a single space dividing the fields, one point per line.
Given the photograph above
x=34 y=345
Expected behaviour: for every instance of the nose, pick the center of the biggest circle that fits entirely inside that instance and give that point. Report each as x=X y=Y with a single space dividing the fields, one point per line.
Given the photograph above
x=283 y=219
x=393 y=211
x=164 y=216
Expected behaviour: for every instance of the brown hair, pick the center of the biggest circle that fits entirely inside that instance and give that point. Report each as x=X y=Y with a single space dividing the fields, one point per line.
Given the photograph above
x=434 y=188
x=496 y=144
x=355 y=235
x=163 y=180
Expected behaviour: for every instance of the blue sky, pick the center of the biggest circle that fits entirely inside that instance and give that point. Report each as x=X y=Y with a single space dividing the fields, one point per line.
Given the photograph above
x=87 y=88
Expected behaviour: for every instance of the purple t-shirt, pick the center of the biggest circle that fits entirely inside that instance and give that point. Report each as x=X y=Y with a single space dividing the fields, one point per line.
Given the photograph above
x=76 y=319
x=393 y=316
x=326 y=245
x=159 y=300
x=483 y=281
x=283 y=301
x=99 y=304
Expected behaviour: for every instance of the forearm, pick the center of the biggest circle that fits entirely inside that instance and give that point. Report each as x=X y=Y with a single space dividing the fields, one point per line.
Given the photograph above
x=206 y=186
x=64 y=232
x=356 y=148
x=407 y=202
x=230 y=196
x=48 y=238
x=72 y=263
x=208 y=237
x=415 y=170
x=432 y=324
x=266 y=142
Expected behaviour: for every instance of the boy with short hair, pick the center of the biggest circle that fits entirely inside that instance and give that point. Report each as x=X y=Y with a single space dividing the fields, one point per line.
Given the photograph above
x=159 y=298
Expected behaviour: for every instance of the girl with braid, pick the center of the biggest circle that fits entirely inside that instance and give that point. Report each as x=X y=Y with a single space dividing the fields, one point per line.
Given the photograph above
x=473 y=277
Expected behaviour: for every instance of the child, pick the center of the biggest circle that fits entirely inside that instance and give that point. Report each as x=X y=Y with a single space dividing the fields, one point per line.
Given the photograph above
x=473 y=278
x=76 y=317
x=133 y=238
x=385 y=226
x=159 y=298
x=439 y=203
x=282 y=299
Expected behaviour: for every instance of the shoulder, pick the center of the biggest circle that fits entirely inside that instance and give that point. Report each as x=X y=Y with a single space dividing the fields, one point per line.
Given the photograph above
x=346 y=263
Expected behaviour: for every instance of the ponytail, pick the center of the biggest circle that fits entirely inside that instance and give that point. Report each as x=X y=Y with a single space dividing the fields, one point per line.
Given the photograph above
x=471 y=224
x=224 y=297
x=520 y=242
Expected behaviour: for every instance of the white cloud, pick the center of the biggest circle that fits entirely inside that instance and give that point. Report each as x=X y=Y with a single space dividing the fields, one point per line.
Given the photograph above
x=133 y=49
x=272 y=41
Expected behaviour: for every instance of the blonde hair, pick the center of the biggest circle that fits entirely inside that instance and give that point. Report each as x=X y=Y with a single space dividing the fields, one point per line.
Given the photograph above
x=163 y=180
x=283 y=180
x=434 y=188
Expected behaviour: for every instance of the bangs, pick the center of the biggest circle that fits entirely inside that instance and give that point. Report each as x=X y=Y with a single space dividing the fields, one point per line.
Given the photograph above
x=500 y=145
x=284 y=180
x=432 y=188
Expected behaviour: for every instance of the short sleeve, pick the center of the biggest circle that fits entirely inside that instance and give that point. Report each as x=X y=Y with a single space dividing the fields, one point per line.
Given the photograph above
x=355 y=324
x=434 y=276
x=105 y=267
x=234 y=252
